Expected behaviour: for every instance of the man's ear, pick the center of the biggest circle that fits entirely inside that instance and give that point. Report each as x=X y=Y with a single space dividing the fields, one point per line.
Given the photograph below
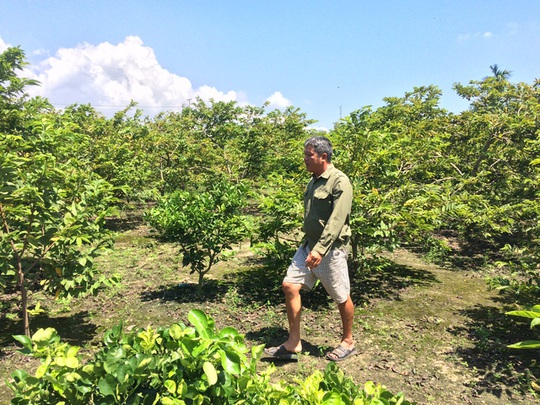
x=324 y=156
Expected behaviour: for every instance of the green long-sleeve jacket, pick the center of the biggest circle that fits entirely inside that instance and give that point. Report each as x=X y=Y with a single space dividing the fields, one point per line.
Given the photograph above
x=327 y=210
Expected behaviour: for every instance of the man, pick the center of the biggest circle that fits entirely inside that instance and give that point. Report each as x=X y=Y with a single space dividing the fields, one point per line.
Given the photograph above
x=323 y=253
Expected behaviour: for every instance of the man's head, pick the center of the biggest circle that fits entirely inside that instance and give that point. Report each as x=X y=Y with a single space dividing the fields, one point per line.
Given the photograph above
x=317 y=154
x=320 y=145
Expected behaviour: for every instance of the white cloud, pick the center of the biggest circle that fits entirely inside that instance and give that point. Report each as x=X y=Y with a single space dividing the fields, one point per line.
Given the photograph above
x=481 y=35
x=40 y=52
x=110 y=76
x=207 y=93
x=319 y=128
x=3 y=45
x=277 y=100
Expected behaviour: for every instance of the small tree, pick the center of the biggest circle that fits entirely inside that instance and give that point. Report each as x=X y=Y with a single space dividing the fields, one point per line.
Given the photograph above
x=51 y=211
x=204 y=224
x=52 y=222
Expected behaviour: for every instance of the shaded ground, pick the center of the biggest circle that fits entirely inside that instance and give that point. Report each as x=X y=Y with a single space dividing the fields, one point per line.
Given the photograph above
x=435 y=334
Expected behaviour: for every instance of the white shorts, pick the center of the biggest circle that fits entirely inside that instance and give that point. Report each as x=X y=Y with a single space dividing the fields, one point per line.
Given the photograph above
x=332 y=272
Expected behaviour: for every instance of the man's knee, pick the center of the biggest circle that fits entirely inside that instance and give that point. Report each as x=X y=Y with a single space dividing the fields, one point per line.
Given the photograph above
x=291 y=288
x=346 y=304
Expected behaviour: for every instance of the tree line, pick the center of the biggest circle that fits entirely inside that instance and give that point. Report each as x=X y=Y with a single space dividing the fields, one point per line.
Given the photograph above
x=453 y=185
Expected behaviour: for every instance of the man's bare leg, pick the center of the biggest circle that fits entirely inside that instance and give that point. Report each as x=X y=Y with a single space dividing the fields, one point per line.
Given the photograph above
x=293 y=302
x=346 y=311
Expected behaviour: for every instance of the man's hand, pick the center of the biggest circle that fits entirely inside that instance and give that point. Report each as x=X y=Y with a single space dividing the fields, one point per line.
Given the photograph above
x=313 y=260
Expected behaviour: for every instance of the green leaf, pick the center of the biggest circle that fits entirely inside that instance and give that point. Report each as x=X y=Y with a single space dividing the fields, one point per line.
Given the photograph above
x=170 y=386
x=42 y=370
x=24 y=340
x=72 y=362
x=210 y=372
x=228 y=331
x=139 y=362
x=200 y=321
x=201 y=348
x=72 y=351
x=44 y=335
x=524 y=314
x=535 y=322
x=19 y=375
x=527 y=344
x=256 y=352
x=175 y=331
x=169 y=401
x=106 y=385
x=230 y=361
x=332 y=398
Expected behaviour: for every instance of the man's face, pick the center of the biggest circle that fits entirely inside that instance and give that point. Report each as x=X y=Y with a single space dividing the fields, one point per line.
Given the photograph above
x=314 y=162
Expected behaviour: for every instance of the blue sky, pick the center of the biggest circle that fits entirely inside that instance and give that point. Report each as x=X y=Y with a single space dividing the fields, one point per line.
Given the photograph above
x=327 y=58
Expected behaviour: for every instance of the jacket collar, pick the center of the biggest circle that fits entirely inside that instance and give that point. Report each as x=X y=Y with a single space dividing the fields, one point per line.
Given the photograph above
x=326 y=173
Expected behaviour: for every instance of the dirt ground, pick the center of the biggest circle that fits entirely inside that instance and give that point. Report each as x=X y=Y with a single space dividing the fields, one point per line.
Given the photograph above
x=436 y=334
x=440 y=340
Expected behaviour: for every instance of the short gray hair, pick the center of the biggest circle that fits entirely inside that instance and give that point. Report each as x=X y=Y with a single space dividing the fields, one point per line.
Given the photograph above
x=320 y=145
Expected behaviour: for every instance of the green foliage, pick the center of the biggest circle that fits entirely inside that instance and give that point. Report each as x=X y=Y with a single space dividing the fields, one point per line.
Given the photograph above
x=52 y=211
x=519 y=268
x=150 y=157
x=533 y=314
x=203 y=223
x=176 y=365
x=281 y=218
x=418 y=171
x=169 y=152
x=52 y=217
x=391 y=155
x=122 y=152
x=497 y=142
x=12 y=96
x=333 y=387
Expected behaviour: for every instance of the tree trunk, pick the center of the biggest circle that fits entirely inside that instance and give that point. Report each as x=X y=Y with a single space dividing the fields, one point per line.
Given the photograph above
x=24 y=299
x=354 y=243
x=482 y=155
x=200 y=283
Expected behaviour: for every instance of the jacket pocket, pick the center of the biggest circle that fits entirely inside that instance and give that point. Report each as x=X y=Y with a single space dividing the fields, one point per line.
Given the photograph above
x=323 y=203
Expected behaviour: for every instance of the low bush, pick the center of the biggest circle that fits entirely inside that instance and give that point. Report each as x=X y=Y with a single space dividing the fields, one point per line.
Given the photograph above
x=174 y=366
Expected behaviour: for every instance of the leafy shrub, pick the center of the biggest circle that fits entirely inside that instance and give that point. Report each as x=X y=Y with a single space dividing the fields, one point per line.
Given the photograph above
x=177 y=365
x=204 y=224
x=174 y=365
x=520 y=272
